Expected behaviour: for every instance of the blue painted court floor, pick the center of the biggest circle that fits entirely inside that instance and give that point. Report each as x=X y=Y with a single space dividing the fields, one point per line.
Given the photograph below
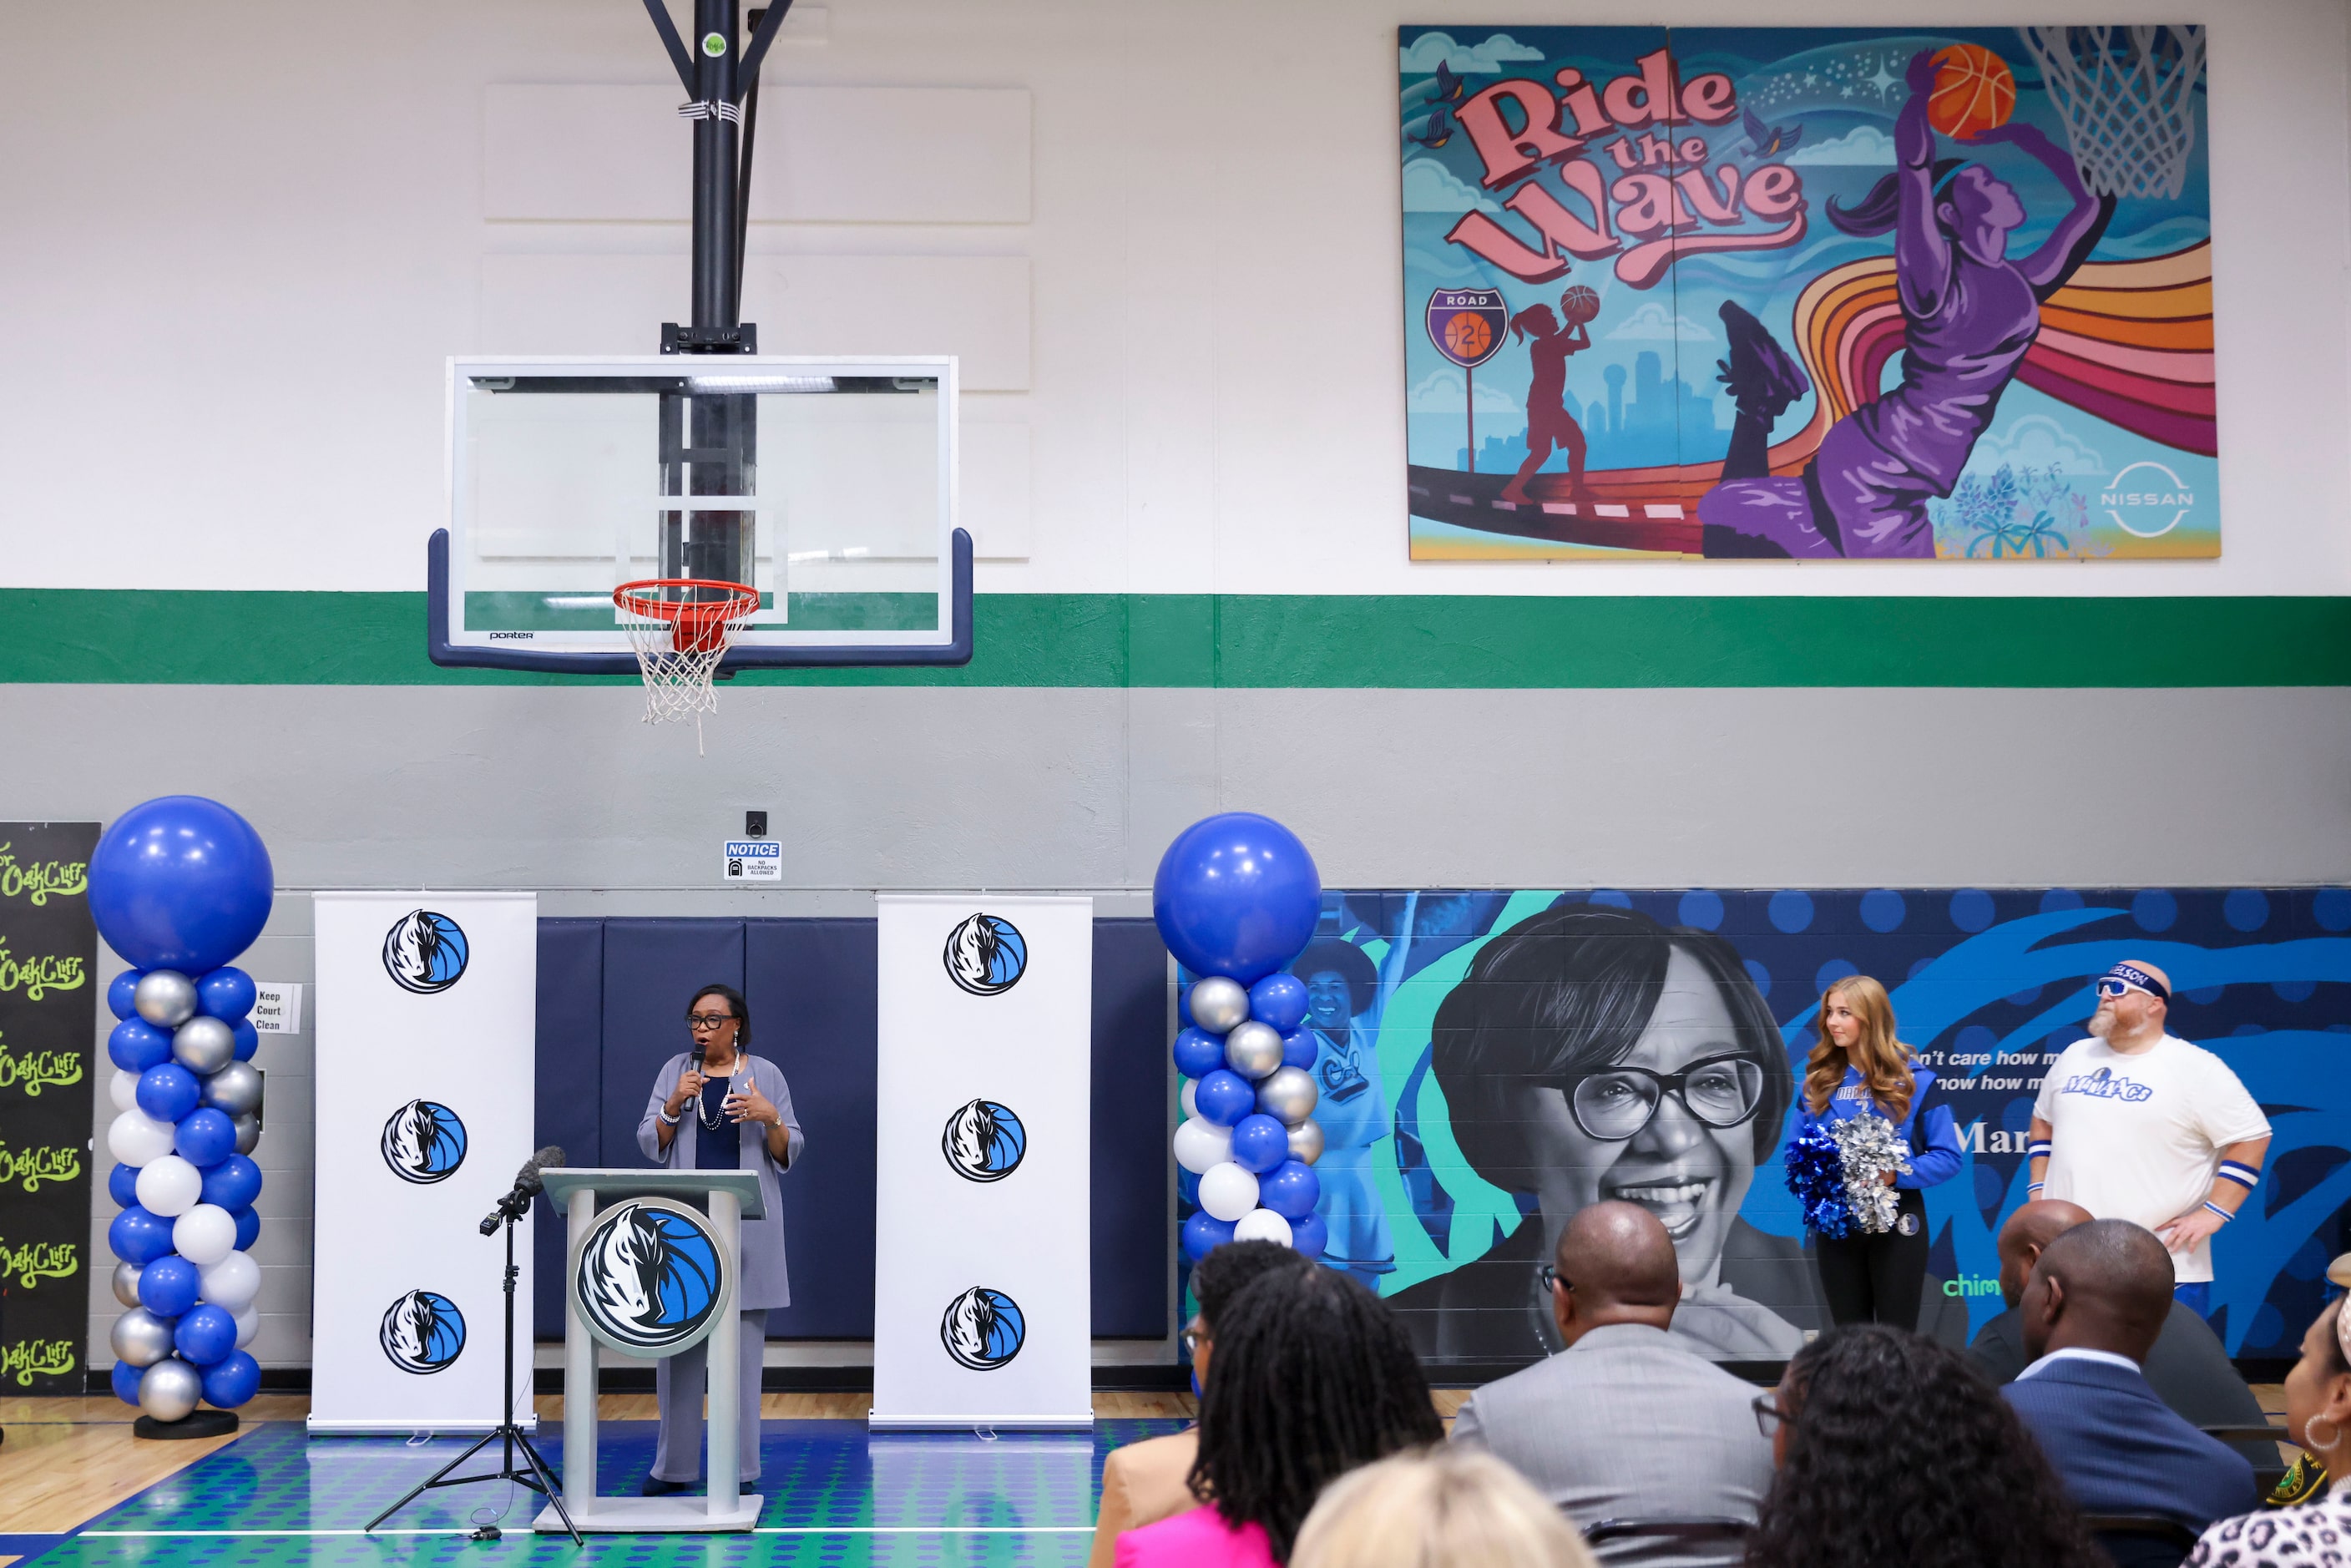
x=834 y=1494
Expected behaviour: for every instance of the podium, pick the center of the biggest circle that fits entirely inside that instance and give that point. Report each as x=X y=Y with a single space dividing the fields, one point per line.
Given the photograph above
x=652 y=1202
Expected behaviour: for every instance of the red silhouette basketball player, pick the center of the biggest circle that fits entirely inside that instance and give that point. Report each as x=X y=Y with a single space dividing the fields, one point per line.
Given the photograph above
x=1549 y=424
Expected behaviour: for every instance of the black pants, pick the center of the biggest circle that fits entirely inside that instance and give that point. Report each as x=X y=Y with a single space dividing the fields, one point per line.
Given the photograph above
x=1877 y=1279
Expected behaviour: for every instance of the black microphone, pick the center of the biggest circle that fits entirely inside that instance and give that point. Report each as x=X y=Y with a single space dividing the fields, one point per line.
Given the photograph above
x=526 y=1185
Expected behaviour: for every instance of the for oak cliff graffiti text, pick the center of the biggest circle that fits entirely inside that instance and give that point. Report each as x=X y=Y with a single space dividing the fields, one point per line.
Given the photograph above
x=40 y=879
x=1661 y=193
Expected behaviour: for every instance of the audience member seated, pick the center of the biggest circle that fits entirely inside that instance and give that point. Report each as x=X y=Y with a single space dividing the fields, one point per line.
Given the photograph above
x=2092 y=1309
x=1440 y=1509
x=1891 y=1449
x=1311 y=1378
x=1147 y=1481
x=2318 y=1413
x=1625 y=1423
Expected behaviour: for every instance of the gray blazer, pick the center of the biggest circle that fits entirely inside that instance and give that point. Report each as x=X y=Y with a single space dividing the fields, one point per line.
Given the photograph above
x=766 y=1283
x=1626 y=1424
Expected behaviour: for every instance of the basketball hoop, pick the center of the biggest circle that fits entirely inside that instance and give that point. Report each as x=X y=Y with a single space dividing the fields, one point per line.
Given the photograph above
x=680 y=627
x=2128 y=98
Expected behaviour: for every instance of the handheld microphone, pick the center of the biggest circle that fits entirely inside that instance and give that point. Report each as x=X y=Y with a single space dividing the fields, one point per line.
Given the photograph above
x=526 y=1185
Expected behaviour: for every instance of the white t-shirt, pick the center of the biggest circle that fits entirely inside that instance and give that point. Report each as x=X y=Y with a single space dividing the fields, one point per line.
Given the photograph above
x=2139 y=1137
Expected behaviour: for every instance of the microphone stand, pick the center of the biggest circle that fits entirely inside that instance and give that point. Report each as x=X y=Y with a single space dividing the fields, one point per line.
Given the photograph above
x=509 y=1435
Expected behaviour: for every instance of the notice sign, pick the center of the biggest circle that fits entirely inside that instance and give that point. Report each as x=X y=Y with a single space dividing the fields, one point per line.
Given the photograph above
x=754 y=860
x=276 y=1006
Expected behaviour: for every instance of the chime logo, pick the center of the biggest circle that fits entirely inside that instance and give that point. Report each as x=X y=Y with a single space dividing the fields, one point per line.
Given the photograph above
x=423 y=1143
x=422 y=1332
x=424 y=952
x=983 y=1141
x=983 y=1329
x=986 y=955
x=649 y=1279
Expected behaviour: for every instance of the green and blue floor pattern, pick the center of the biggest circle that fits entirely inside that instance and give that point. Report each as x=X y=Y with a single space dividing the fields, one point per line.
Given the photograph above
x=836 y=1496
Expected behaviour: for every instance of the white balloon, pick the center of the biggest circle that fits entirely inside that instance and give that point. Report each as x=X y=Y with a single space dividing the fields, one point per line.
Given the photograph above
x=1184 y=1098
x=205 y=1235
x=168 y=1186
x=136 y=1138
x=248 y=1323
x=123 y=1090
x=1262 y=1225
x=1202 y=1145
x=232 y=1283
x=1226 y=1191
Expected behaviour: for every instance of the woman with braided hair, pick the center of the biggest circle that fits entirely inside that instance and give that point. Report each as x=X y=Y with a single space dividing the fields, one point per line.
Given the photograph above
x=1312 y=1378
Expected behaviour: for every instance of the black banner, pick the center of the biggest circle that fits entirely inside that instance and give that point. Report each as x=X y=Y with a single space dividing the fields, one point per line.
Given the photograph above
x=48 y=1028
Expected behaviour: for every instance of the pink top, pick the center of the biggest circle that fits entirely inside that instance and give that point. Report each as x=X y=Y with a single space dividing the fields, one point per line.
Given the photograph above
x=1196 y=1538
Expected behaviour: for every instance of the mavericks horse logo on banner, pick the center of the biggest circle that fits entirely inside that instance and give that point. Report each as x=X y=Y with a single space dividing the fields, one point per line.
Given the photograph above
x=423 y=1142
x=983 y=1141
x=424 y=952
x=986 y=955
x=983 y=1329
x=650 y=1277
x=423 y=1331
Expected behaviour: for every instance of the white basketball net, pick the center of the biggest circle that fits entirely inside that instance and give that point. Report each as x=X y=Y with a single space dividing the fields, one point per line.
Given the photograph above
x=679 y=681
x=2128 y=96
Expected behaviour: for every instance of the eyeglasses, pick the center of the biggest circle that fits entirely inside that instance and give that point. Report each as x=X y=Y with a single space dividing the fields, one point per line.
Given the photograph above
x=1769 y=1416
x=1721 y=1092
x=1191 y=1337
x=707 y=1021
x=1550 y=1280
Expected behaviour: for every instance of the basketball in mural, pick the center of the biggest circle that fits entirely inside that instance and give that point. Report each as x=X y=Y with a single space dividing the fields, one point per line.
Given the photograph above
x=1468 y=336
x=1974 y=91
x=1580 y=305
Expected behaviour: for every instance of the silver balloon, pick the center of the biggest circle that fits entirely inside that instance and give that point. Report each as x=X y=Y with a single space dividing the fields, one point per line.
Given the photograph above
x=164 y=998
x=1253 y=1049
x=170 y=1390
x=126 y=1283
x=236 y=1088
x=1306 y=1141
x=1218 y=1003
x=1288 y=1094
x=203 y=1046
x=248 y=1131
x=140 y=1337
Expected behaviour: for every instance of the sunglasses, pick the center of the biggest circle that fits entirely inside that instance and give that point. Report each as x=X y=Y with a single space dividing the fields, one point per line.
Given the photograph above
x=2111 y=987
x=1549 y=1276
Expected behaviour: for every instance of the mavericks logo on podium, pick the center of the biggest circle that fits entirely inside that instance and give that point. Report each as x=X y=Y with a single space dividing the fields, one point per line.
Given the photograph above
x=423 y=1331
x=986 y=954
x=423 y=1143
x=983 y=1329
x=983 y=1141
x=649 y=1277
x=424 y=952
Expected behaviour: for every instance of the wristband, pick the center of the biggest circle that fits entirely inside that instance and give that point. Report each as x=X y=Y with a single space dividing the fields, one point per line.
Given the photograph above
x=2224 y=1214
x=2035 y=1185
x=2038 y=1151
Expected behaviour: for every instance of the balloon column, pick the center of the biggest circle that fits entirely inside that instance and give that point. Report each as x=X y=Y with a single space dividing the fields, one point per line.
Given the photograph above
x=1235 y=898
x=179 y=886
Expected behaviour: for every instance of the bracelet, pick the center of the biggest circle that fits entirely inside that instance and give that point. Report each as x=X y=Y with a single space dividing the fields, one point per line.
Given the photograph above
x=2224 y=1214
x=666 y=1119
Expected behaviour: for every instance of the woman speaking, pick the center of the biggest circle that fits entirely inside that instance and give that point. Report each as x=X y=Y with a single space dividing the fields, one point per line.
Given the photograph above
x=1859 y=1068
x=718 y=1108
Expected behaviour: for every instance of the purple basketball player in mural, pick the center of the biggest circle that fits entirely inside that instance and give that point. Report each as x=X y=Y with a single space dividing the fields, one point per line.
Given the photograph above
x=1970 y=314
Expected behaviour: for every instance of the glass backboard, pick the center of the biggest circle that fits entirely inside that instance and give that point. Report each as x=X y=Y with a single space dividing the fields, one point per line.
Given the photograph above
x=827 y=484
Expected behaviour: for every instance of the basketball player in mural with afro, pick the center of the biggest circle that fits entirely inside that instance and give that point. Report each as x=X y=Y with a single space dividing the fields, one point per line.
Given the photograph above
x=1549 y=424
x=1970 y=313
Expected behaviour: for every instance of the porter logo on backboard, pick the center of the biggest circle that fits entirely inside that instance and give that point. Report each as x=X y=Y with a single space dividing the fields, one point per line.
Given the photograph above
x=649 y=1277
x=423 y=1143
x=422 y=1332
x=983 y=1141
x=986 y=955
x=424 y=952
x=983 y=1329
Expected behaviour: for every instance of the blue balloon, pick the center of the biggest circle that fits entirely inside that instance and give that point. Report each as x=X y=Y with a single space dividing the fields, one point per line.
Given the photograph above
x=1297 y=1048
x=204 y=1137
x=248 y=1229
x=1204 y=1233
x=180 y=883
x=168 y=1092
x=1261 y=1143
x=1236 y=894
x=1292 y=1191
x=138 y=1236
x=125 y=1378
x=118 y=994
x=1198 y=1053
x=122 y=1184
x=226 y=994
x=233 y=1183
x=1310 y=1235
x=168 y=1286
x=137 y=1045
x=1278 y=999
x=248 y=1039
x=1184 y=1007
x=235 y=1380
x=1224 y=1097
x=206 y=1335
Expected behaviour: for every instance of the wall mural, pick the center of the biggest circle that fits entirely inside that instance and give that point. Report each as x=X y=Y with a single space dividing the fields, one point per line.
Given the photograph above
x=1807 y=292
x=1445 y=1183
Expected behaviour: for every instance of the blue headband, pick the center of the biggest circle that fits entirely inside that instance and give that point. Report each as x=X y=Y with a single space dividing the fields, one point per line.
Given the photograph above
x=2132 y=975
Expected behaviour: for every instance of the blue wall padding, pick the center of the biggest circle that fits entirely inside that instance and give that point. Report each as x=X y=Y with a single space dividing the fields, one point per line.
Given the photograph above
x=570 y=1057
x=1133 y=1170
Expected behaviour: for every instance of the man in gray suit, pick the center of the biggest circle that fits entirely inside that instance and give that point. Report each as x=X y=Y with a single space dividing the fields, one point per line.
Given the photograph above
x=1625 y=1424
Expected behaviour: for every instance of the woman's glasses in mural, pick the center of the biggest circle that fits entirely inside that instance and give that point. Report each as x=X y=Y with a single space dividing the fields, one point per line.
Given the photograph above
x=1614 y=1105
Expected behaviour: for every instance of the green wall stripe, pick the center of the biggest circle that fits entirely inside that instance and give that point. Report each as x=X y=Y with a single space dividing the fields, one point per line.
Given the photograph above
x=167 y=637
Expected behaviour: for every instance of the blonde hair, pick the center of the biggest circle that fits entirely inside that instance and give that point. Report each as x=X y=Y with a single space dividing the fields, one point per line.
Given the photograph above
x=1883 y=1061
x=1437 y=1508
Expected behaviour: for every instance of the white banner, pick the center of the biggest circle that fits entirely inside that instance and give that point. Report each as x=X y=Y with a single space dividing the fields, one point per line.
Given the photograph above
x=982 y=1311
x=425 y=1015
